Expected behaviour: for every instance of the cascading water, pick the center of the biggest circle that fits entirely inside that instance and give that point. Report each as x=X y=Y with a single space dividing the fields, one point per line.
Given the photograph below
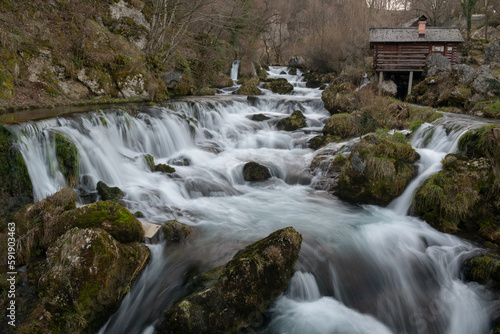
x=362 y=269
x=234 y=70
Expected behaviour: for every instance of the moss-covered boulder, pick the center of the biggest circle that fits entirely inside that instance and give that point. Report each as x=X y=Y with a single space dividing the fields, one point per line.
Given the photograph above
x=378 y=169
x=67 y=159
x=222 y=80
x=294 y=122
x=484 y=269
x=16 y=189
x=339 y=98
x=253 y=171
x=465 y=196
x=109 y=193
x=342 y=125
x=108 y=215
x=225 y=298
x=278 y=86
x=163 y=168
x=489 y=109
x=326 y=167
x=81 y=283
x=37 y=226
x=249 y=88
x=318 y=142
x=150 y=161
x=175 y=231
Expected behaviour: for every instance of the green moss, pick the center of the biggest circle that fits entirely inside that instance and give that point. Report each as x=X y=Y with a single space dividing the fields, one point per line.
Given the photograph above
x=249 y=88
x=6 y=84
x=342 y=125
x=67 y=159
x=278 y=86
x=109 y=193
x=484 y=269
x=482 y=142
x=173 y=230
x=150 y=161
x=163 y=168
x=253 y=171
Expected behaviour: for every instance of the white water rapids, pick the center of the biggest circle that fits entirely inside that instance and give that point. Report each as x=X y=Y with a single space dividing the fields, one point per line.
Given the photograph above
x=362 y=269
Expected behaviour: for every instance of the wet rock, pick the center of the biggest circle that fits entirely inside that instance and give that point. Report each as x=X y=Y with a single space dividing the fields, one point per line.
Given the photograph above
x=294 y=122
x=249 y=88
x=164 y=169
x=327 y=166
x=109 y=193
x=484 y=269
x=388 y=87
x=67 y=159
x=319 y=141
x=253 y=171
x=278 y=86
x=225 y=299
x=259 y=117
x=378 y=169
x=150 y=161
x=341 y=125
x=83 y=279
x=292 y=71
x=175 y=231
x=16 y=189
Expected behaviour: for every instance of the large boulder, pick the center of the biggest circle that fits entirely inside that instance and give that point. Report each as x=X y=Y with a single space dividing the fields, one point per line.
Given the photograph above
x=342 y=125
x=175 y=231
x=484 y=269
x=388 y=87
x=378 y=169
x=492 y=53
x=16 y=189
x=226 y=298
x=294 y=122
x=108 y=193
x=339 y=97
x=222 y=80
x=437 y=64
x=297 y=61
x=278 y=86
x=464 y=73
x=249 y=88
x=485 y=83
x=82 y=281
x=253 y=171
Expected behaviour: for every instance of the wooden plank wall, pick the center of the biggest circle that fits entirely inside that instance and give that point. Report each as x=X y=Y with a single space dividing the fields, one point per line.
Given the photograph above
x=409 y=56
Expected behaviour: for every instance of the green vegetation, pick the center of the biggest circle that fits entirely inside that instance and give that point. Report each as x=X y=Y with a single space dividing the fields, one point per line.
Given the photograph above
x=67 y=159
x=173 y=230
x=109 y=193
x=294 y=122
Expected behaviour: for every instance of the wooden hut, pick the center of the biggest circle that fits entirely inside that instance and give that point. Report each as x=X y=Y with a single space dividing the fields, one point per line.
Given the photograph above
x=405 y=49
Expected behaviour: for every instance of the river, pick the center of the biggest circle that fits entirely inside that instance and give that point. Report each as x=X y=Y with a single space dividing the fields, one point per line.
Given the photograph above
x=361 y=269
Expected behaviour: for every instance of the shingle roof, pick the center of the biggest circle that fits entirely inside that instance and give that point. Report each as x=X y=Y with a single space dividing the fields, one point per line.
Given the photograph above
x=381 y=35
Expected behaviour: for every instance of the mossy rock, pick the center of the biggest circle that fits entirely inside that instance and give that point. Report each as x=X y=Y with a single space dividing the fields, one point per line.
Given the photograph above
x=175 y=231
x=278 y=86
x=488 y=109
x=253 y=171
x=205 y=90
x=108 y=215
x=259 y=118
x=482 y=142
x=167 y=169
x=67 y=159
x=85 y=276
x=318 y=142
x=378 y=169
x=224 y=299
x=6 y=84
x=109 y=193
x=262 y=74
x=484 y=269
x=150 y=161
x=462 y=198
x=16 y=189
x=339 y=98
x=222 y=80
x=342 y=125
x=294 y=122
x=249 y=89
x=37 y=226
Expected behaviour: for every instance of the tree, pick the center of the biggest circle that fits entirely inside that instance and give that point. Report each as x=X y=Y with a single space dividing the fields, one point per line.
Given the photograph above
x=468 y=9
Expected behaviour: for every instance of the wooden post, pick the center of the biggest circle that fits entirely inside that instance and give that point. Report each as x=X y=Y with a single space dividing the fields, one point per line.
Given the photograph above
x=410 y=82
x=381 y=77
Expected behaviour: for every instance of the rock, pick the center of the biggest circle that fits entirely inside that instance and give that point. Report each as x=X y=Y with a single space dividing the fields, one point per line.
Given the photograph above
x=205 y=90
x=437 y=64
x=327 y=166
x=84 y=277
x=319 y=141
x=461 y=198
x=222 y=80
x=484 y=269
x=278 y=86
x=339 y=98
x=262 y=75
x=316 y=80
x=109 y=193
x=486 y=84
x=464 y=73
x=259 y=117
x=297 y=61
x=388 y=87
x=173 y=230
x=150 y=161
x=492 y=53
x=342 y=125
x=492 y=33
x=482 y=142
x=172 y=78
x=292 y=71
x=133 y=86
x=98 y=82
x=74 y=89
x=283 y=73
x=67 y=159
x=164 y=169
x=253 y=171
x=454 y=96
x=296 y=121
x=16 y=189
x=37 y=226
x=249 y=89
x=115 y=219
x=225 y=299
x=378 y=169
x=139 y=214
x=488 y=109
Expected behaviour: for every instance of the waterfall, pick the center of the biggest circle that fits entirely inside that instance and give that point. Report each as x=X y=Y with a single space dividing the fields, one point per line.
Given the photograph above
x=234 y=70
x=361 y=269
